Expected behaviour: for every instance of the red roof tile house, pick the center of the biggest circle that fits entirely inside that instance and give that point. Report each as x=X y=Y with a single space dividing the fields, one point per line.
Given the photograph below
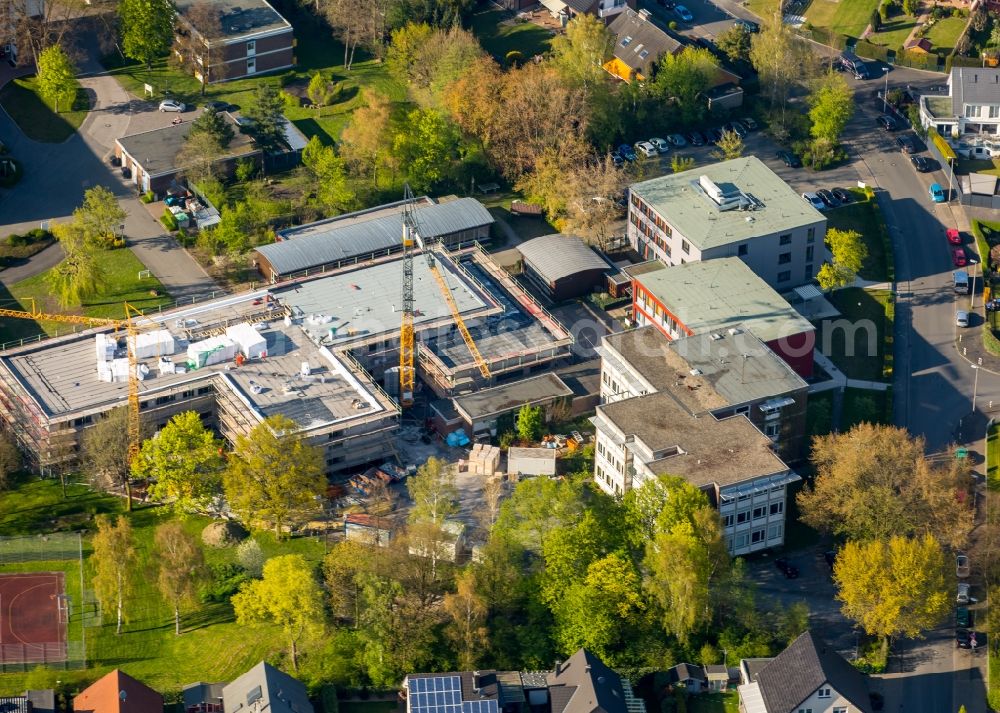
x=117 y=692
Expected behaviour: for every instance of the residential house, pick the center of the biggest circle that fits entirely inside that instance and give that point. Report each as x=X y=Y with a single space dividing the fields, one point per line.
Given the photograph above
x=235 y=38
x=117 y=692
x=971 y=107
x=807 y=677
x=716 y=296
x=737 y=208
x=154 y=160
x=687 y=676
x=639 y=43
x=581 y=684
x=710 y=409
x=604 y=9
x=265 y=689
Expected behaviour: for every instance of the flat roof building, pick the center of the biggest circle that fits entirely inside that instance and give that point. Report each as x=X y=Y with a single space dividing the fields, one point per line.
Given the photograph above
x=711 y=411
x=737 y=208
x=356 y=237
x=716 y=296
x=562 y=267
x=481 y=410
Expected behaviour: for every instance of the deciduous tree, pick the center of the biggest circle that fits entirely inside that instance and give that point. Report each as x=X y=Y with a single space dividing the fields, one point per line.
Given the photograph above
x=849 y=254
x=350 y=21
x=197 y=157
x=147 y=28
x=781 y=60
x=57 y=78
x=729 y=146
x=466 y=628
x=288 y=595
x=104 y=452
x=433 y=492
x=530 y=423
x=184 y=461
x=682 y=78
x=332 y=190
x=735 y=43
x=831 y=107
x=873 y=482
x=898 y=587
x=114 y=563
x=181 y=567
x=596 y=187
x=201 y=53
x=426 y=144
x=580 y=53
x=99 y=217
x=535 y=508
x=366 y=141
x=274 y=475
x=679 y=574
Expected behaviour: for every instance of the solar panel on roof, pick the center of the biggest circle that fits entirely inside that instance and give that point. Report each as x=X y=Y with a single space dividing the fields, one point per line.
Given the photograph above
x=436 y=694
x=483 y=706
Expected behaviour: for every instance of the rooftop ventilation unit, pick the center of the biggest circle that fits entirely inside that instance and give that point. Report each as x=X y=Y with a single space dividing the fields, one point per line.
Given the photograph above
x=726 y=197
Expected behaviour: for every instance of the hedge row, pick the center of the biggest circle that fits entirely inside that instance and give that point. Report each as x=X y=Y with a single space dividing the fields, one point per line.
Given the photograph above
x=19 y=247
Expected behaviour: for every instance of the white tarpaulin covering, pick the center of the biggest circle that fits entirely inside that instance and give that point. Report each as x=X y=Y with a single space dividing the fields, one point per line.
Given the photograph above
x=251 y=343
x=147 y=345
x=211 y=351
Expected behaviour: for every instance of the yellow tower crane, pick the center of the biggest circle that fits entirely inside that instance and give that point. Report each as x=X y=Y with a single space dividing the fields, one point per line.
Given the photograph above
x=412 y=240
x=128 y=325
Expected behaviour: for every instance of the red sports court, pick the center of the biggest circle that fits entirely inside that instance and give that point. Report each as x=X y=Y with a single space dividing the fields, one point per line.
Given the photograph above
x=33 y=617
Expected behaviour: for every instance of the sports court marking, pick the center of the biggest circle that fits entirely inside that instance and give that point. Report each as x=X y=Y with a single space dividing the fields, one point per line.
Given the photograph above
x=33 y=616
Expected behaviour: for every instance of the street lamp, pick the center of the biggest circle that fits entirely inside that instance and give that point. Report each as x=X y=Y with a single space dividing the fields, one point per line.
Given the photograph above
x=885 y=92
x=972 y=297
x=975 y=386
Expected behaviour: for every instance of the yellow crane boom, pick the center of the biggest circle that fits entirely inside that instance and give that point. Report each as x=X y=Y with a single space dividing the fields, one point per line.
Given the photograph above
x=126 y=324
x=484 y=368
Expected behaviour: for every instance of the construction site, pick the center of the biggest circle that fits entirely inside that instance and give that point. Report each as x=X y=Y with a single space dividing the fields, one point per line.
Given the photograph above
x=322 y=351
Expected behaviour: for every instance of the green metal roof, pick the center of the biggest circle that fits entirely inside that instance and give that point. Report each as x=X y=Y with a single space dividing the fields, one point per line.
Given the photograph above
x=698 y=219
x=714 y=295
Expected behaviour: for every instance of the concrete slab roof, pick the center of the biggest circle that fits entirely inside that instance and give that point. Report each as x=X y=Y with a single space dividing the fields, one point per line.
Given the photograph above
x=679 y=200
x=705 y=374
x=502 y=399
x=715 y=295
x=701 y=449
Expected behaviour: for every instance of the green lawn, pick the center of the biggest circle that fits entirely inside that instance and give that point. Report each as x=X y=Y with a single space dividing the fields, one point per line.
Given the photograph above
x=315 y=51
x=498 y=38
x=966 y=166
x=212 y=646
x=856 y=341
x=993 y=457
x=865 y=218
x=865 y=406
x=37 y=117
x=728 y=702
x=945 y=33
x=847 y=17
x=894 y=32
x=122 y=284
x=367 y=706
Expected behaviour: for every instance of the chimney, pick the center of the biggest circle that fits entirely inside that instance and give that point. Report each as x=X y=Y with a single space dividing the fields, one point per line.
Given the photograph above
x=644 y=14
x=558 y=666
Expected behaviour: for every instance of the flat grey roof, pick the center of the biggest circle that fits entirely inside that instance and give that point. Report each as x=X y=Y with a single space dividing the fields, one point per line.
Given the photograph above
x=331 y=241
x=543 y=453
x=723 y=452
x=732 y=370
x=62 y=373
x=701 y=222
x=156 y=150
x=366 y=301
x=501 y=399
x=715 y=295
x=239 y=18
x=557 y=256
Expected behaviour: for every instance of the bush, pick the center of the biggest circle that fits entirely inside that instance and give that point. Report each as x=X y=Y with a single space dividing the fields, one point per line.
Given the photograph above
x=990 y=341
x=246 y=168
x=23 y=246
x=147 y=197
x=672 y=25
x=225 y=580
x=251 y=557
x=213 y=191
x=168 y=220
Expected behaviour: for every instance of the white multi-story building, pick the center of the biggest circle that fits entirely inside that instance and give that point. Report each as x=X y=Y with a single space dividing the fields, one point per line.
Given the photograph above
x=738 y=208
x=710 y=409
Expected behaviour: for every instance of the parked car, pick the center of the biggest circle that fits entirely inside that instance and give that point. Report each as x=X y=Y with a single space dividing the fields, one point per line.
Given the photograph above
x=748 y=26
x=829 y=200
x=749 y=123
x=961 y=318
x=217 y=106
x=921 y=163
x=843 y=195
x=713 y=135
x=737 y=128
x=677 y=140
x=966 y=639
x=962 y=567
x=696 y=138
x=814 y=200
x=172 y=105
x=790 y=159
x=616 y=159
x=963 y=593
x=683 y=13
x=907 y=143
x=787 y=568
x=955 y=238
x=861 y=72
x=661 y=145
x=958 y=257
x=668 y=4
x=646 y=149
x=626 y=152
x=963 y=618
x=886 y=122
x=936 y=193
